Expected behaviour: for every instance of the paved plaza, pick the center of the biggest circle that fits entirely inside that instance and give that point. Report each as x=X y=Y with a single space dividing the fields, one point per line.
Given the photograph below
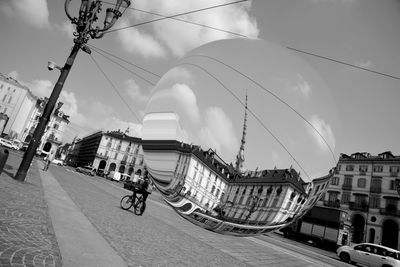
x=62 y=218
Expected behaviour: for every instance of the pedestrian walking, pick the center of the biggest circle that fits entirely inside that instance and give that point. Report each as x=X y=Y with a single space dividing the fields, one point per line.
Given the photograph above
x=46 y=163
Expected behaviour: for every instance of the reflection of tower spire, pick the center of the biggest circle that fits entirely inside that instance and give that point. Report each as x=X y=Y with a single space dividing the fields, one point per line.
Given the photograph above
x=240 y=155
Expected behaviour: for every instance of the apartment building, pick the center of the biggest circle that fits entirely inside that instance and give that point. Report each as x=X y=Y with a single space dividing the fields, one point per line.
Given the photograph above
x=367 y=186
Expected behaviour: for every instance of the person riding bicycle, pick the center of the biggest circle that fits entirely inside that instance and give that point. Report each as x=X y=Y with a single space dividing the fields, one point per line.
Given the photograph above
x=143 y=189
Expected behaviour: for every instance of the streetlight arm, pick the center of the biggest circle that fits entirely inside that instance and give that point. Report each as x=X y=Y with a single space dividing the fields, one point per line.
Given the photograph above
x=66 y=8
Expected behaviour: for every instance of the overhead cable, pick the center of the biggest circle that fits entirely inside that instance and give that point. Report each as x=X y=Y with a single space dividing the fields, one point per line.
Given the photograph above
x=251 y=112
x=176 y=15
x=130 y=71
x=271 y=93
x=113 y=86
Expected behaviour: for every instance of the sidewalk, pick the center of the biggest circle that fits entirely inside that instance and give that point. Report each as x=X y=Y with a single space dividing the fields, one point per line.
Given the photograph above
x=41 y=226
x=27 y=237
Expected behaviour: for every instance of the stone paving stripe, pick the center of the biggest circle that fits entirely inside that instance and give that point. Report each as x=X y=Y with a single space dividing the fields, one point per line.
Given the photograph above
x=79 y=242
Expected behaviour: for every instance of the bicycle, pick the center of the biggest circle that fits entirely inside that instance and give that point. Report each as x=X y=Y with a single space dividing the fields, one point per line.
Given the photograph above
x=127 y=202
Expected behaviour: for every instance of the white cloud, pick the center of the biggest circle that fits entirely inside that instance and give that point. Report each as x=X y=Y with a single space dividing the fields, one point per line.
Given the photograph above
x=179 y=37
x=184 y=96
x=32 y=12
x=13 y=74
x=218 y=132
x=178 y=74
x=364 y=64
x=43 y=88
x=323 y=129
x=100 y=116
x=135 y=92
x=67 y=28
x=40 y=88
x=137 y=42
x=302 y=86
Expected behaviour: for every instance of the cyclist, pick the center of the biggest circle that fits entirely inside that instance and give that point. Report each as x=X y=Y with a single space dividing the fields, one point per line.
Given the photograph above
x=144 y=189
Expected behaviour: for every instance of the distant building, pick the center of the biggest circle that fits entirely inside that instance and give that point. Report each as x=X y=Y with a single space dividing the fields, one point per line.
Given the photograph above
x=368 y=187
x=54 y=131
x=108 y=151
x=18 y=103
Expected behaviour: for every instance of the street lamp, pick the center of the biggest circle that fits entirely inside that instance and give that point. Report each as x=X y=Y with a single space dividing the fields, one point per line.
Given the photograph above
x=85 y=29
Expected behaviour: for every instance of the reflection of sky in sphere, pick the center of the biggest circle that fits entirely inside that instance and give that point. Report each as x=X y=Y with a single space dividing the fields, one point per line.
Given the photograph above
x=206 y=95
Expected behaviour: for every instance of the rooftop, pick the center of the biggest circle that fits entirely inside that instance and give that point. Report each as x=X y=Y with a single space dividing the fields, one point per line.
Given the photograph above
x=365 y=156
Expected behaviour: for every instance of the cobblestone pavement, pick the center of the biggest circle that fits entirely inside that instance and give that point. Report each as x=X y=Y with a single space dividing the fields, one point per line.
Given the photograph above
x=26 y=233
x=139 y=240
x=162 y=238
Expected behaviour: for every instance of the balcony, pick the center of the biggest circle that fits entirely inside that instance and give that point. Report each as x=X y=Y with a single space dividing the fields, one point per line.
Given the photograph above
x=348 y=187
x=101 y=156
x=53 y=139
x=362 y=173
x=358 y=206
x=389 y=210
x=123 y=162
x=332 y=203
x=394 y=174
x=376 y=190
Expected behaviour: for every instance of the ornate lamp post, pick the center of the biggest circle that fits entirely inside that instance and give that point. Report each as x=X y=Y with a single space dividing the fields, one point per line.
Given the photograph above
x=85 y=29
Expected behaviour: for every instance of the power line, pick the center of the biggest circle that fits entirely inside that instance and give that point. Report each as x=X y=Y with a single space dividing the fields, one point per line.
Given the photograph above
x=186 y=21
x=251 y=112
x=241 y=35
x=177 y=15
x=130 y=71
x=343 y=63
x=130 y=63
x=271 y=93
x=113 y=86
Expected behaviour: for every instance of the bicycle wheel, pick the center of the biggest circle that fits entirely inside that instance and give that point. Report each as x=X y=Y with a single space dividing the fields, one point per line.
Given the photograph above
x=126 y=202
x=139 y=206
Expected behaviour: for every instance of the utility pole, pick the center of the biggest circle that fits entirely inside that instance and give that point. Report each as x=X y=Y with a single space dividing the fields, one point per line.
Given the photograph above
x=88 y=12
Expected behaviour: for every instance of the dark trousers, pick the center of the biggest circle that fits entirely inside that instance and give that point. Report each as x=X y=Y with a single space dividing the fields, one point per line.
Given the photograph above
x=143 y=192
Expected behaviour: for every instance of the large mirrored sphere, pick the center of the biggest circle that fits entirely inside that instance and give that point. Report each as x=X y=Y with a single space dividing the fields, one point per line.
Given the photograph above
x=239 y=135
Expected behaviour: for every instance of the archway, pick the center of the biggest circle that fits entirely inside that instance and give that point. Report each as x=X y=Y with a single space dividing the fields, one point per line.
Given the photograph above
x=47 y=147
x=102 y=165
x=130 y=171
x=358 y=223
x=28 y=138
x=112 y=167
x=121 y=169
x=390 y=234
x=371 y=235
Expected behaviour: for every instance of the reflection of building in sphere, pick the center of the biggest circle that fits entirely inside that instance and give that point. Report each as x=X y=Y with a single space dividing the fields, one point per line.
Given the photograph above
x=207 y=191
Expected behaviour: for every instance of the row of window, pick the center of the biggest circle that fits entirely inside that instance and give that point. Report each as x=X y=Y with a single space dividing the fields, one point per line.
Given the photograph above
x=362 y=182
x=5 y=98
x=365 y=168
x=361 y=201
x=8 y=89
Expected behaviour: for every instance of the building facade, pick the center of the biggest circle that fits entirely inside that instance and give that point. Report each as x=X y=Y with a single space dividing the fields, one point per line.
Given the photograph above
x=367 y=187
x=52 y=137
x=108 y=151
x=18 y=103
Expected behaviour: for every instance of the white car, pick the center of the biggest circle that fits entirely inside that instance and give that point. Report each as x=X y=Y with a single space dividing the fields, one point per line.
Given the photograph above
x=368 y=254
x=58 y=162
x=7 y=143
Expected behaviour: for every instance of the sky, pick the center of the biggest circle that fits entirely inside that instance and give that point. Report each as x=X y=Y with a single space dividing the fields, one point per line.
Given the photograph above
x=353 y=109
